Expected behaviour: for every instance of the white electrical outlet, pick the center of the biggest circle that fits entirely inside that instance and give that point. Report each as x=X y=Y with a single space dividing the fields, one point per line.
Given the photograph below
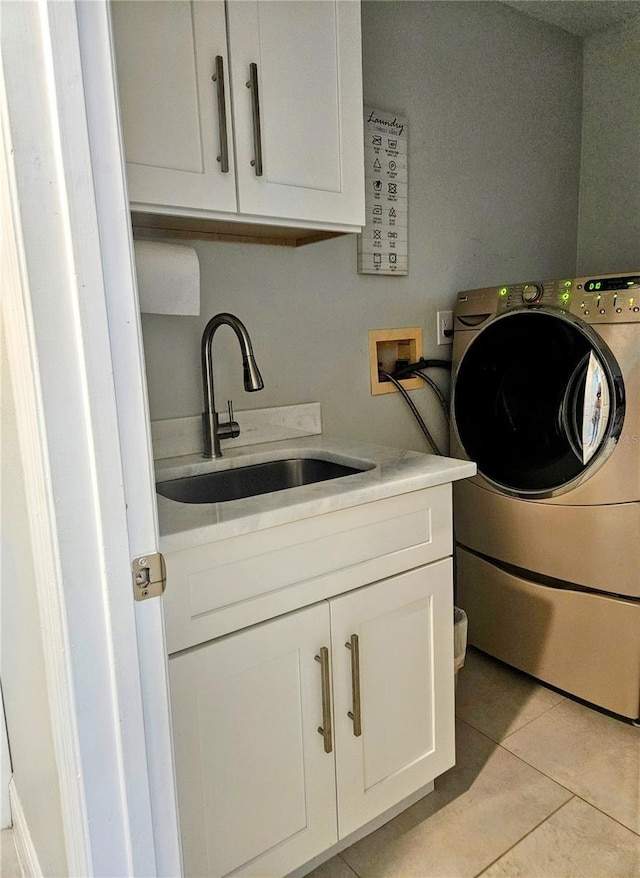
x=445 y=327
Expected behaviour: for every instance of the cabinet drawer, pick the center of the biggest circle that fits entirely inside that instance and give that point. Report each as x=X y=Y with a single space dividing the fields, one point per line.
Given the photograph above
x=233 y=583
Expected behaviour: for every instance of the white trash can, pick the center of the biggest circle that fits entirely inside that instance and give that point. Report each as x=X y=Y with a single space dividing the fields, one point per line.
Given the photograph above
x=459 y=639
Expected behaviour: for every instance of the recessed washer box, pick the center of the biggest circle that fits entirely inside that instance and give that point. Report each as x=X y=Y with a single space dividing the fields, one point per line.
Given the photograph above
x=388 y=345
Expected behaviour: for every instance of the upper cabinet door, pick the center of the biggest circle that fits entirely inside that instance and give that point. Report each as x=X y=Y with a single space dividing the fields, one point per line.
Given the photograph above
x=170 y=106
x=307 y=58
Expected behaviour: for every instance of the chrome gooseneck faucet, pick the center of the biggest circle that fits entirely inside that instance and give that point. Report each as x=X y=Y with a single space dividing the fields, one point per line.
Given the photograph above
x=213 y=430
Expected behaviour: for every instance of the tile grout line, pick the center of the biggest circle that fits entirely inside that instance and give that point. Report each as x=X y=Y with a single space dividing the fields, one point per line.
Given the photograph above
x=600 y=811
x=572 y=795
x=543 y=773
x=524 y=726
x=568 y=789
x=524 y=761
x=526 y=835
x=533 y=720
x=340 y=857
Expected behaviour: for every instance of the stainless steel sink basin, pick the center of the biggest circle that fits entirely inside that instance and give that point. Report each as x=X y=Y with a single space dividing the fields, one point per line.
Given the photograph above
x=259 y=478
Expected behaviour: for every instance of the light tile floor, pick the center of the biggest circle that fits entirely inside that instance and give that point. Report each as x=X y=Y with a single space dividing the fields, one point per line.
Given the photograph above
x=543 y=787
x=9 y=865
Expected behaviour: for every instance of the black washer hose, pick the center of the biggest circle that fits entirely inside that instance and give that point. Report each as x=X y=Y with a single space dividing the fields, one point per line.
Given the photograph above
x=413 y=408
x=432 y=384
x=421 y=364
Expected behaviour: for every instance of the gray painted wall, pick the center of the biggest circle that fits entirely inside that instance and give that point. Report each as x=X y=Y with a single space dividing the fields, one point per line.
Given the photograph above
x=609 y=229
x=493 y=100
x=22 y=668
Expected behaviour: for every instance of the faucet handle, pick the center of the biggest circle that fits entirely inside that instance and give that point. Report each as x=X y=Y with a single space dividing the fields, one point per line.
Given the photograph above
x=230 y=429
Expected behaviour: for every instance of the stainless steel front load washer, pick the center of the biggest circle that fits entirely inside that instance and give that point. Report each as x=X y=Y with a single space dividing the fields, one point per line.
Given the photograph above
x=546 y=401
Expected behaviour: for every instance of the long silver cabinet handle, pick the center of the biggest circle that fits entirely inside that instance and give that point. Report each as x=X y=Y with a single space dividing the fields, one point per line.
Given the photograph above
x=356 y=714
x=325 y=729
x=218 y=78
x=256 y=162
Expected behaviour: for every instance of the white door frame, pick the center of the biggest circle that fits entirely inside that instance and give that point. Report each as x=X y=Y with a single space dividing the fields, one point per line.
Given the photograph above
x=5 y=770
x=74 y=345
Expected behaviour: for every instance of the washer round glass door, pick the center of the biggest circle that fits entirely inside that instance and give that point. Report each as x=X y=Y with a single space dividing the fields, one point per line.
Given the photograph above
x=538 y=400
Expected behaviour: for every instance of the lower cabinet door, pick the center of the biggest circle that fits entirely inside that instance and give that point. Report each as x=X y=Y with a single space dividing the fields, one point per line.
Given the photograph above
x=256 y=787
x=392 y=648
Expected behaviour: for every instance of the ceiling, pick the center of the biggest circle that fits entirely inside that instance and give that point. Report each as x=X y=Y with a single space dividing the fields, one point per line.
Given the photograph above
x=580 y=17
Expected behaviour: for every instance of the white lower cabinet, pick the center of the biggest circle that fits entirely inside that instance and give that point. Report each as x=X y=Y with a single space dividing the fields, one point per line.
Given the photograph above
x=272 y=766
x=404 y=629
x=255 y=787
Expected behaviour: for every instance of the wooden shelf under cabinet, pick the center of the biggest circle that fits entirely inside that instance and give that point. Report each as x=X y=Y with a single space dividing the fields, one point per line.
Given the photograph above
x=151 y=225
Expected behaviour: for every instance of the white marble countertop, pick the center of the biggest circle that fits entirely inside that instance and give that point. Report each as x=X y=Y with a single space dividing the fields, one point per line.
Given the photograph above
x=395 y=471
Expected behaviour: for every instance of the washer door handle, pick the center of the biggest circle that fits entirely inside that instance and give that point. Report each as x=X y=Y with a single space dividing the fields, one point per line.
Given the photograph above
x=595 y=413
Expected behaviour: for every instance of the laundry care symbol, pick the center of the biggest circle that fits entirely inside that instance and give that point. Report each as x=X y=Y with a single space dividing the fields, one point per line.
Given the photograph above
x=377 y=166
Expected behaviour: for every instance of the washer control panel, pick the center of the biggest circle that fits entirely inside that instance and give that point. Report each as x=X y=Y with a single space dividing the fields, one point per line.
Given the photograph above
x=613 y=298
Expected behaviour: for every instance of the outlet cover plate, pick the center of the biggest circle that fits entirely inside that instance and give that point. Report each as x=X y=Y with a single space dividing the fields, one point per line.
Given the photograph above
x=445 y=327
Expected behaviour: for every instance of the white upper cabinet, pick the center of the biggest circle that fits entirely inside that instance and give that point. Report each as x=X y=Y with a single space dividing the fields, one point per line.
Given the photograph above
x=286 y=105
x=309 y=70
x=166 y=54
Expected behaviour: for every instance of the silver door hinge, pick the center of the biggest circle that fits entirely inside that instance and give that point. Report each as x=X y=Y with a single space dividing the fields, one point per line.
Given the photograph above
x=149 y=576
